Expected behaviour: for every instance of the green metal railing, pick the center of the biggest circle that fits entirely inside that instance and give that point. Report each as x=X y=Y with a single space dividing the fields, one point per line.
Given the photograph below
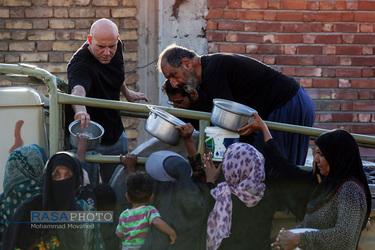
x=57 y=97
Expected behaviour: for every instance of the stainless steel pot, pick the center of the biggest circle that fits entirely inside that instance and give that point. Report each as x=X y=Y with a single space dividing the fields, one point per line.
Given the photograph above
x=94 y=131
x=231 y=115
x=161 y=124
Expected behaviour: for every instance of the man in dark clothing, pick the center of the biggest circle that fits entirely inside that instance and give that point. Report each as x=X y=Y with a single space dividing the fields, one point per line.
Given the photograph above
x=97 y=70
x=242 y=79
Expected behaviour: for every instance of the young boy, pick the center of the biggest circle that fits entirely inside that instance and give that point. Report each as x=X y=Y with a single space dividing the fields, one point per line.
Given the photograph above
x=134 y=223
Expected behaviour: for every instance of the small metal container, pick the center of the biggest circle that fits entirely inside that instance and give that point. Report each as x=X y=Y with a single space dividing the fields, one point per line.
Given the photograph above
x=161 y=124
x=231 y=115
x=94 y=131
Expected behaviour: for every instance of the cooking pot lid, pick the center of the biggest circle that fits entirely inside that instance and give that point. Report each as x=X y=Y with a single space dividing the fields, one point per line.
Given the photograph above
x=234 y=107
x=166 y=116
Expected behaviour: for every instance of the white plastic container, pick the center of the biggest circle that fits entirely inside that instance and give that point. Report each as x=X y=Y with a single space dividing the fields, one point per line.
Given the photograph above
x=22 y=122
x=218 y=140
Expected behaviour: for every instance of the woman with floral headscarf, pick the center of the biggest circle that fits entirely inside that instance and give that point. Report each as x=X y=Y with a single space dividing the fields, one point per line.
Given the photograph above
x=23 y=178
x=239 y=212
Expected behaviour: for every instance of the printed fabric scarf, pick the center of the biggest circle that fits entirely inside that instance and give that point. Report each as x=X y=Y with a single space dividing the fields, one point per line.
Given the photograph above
x=243 y=168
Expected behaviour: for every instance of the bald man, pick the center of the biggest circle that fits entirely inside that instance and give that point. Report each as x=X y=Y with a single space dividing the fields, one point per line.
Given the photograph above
x=97 y=70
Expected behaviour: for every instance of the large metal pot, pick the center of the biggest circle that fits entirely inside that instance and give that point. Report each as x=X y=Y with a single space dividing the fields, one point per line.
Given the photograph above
x=161 y=124
x=94 y=131
x=231 y=115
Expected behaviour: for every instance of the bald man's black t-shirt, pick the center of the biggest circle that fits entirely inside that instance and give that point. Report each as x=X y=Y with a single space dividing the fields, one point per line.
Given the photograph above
x=101 y=81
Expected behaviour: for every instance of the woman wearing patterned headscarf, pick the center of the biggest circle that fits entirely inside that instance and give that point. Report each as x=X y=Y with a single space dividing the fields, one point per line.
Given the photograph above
x=230 y=223
x=62 y=178
x=23 y=178
x=340 y=202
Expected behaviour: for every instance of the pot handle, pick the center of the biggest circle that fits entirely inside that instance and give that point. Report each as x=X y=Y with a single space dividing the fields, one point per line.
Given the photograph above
x=150 y=108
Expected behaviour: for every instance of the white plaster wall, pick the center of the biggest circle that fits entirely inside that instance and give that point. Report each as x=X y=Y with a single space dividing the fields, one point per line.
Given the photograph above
x=187 y=30
x=158 y=29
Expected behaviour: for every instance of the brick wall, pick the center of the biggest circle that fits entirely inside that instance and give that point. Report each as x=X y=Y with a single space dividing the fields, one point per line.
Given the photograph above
x=328 y=46
x=46 y=33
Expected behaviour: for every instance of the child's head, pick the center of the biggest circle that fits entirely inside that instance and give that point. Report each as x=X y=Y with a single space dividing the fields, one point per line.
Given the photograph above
x=105 y=197
x=139 y=185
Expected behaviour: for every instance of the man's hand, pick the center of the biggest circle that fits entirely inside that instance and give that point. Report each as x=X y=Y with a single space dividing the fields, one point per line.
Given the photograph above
x=132 y=96
x=84 y=117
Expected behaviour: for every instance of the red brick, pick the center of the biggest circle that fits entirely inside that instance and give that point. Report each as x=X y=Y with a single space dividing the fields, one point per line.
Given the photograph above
x=366 y=5
x=290 y=50
x=215 y=37
x=344 y=117
x=234 y=4
x=250 y=27
x=283 y=39
x=363 y=129
x=346 y=27
x=332 y=5
x=364 y=95
x=328 y=72
x=306 y=82
x=289 y=16
x=230 y=48
x=269 y=16
x=364 y=39
x=327 y=105
x=364 y=106
x=217 y=3
x=289 y=71
x=210 y=25
x=308 y=27
x=344 y=83
x=368 y=72
x=313 y=5
x=347 y=106
x=228 y=25
x=254 y=4
x=364 y=17
x=325 y=117
x=230 y=14
x=269 y=27
x=348 y=72
x=288 y=60
x=314 y=71
x=293 y=5
x=328 y=39
x=348 y=17
x=363 y=61
x=231 y=37
x=307 y=61
x=250 y=38
x=324 y=83
x=328 y=17
x=250 y=15
x=366 y=28
x=309 y=50
x=348 y=50
x=270 y=49
x=326 y=60
x=308 y=17
x=289 y=28
x=214 y=14
x=363 y=83
x=346 y=94
x=352 y=5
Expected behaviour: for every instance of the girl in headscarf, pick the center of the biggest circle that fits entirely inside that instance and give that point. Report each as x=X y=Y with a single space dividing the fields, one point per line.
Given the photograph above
x=231 y=223
x=341 y=200
x=23 y=178
x=62 y=178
